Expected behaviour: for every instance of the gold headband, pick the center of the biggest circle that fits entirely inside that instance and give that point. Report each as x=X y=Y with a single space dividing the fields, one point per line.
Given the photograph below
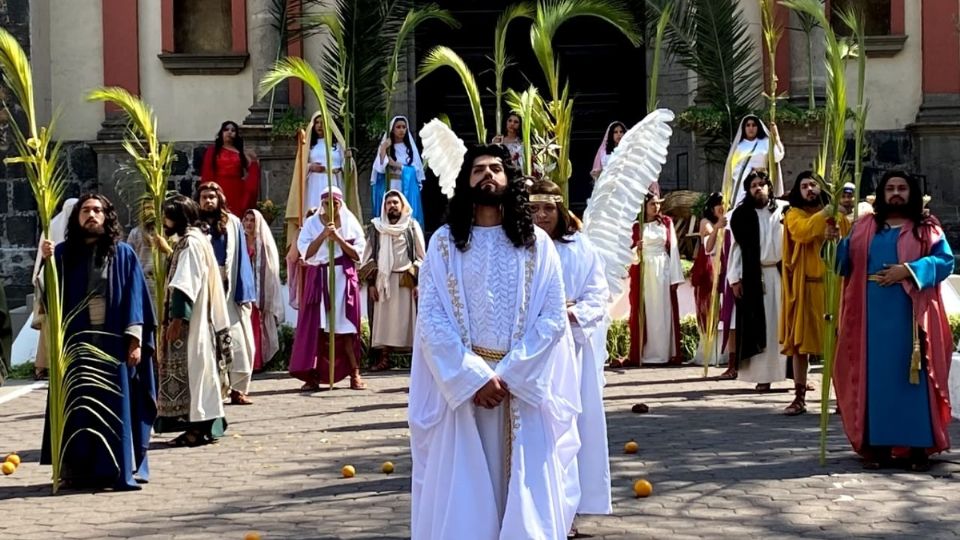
x=542 y=198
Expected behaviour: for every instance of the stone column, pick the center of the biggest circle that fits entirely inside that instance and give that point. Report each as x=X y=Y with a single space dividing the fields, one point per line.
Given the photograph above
x=262 y=42
x=799 y=75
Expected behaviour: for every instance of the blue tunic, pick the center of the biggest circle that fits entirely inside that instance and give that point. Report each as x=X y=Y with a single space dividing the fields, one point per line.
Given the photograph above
x=103 y=450
x=898 y=413
x=245 y=288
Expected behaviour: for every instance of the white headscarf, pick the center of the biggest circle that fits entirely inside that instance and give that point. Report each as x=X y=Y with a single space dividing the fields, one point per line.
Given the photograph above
x=728 y=168
x=266 y=276
x=58 y=233
x=388 y=231
x=412 y=136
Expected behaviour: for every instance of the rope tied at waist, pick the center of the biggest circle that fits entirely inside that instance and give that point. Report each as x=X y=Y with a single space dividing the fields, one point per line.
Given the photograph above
x=489 y=355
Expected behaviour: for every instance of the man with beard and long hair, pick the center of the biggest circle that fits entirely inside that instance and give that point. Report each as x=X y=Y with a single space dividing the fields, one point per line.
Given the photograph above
x=390 y=266
x=805 y=225
x=757 y=230
x=229 y=243
x=193 y=375
x=494 y=390
x=104 y=289
x=587 y=295
x=894 y=349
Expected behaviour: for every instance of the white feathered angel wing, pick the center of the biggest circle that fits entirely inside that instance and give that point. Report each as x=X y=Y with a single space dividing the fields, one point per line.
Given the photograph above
x=443 y=152
x=619 y=192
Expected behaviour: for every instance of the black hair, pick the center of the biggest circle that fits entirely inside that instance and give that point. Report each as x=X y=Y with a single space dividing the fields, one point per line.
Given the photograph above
x=517 y=219
x=913 y=209
x=76 y=238
x=761 y=134
x=566 y=223
x=795 y=197
x=183 y=212
x=406 y=140
x=237 y=142
x=609 y=134
x=713 y=200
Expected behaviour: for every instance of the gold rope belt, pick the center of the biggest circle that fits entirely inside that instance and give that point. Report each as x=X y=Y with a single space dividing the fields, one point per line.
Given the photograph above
x=489 y=355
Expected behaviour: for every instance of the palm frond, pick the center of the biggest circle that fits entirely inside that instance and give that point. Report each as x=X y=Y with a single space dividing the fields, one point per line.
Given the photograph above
x=660 y=31
x=552 y=14
x=531 y=108
x=501 y=61
x=445 y=57
x=413 y=19
x=18 y=76
x=712 y=39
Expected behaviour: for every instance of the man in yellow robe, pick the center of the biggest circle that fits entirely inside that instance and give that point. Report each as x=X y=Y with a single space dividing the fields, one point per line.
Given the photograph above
x=801 y=320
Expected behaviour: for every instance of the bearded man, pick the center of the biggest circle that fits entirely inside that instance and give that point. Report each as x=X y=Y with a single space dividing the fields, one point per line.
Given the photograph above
x=894 y=351
x=805 y=225
x=494 y=390
x=112 y=404
x=229 y=243
x=390 y=267
x=757 y=230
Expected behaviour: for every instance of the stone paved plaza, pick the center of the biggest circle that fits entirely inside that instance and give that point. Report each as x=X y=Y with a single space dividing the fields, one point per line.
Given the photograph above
x=724 y=464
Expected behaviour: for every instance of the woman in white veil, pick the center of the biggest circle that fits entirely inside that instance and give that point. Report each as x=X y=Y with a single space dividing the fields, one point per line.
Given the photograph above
x=750 y=149
x=611 y=138
x=398 y=166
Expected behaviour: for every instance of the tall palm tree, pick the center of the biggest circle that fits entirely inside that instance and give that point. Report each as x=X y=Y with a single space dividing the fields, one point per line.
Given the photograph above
x=501 y=61
x=712 y=39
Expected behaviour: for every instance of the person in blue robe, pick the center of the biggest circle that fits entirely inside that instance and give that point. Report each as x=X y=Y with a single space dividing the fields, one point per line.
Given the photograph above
x=111 y=405
x=225 y=231
x=894 y=346
x=398 y=167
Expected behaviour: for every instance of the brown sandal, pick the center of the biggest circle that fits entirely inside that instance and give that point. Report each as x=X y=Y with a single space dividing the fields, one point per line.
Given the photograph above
x=799 y=405
x=382 y=365
x=356 y=383
x=239 y=398
x=728 y=375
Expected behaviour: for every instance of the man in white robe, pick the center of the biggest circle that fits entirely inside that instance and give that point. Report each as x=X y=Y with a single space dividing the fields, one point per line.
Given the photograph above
x=225 y=232
x=587 y=299
x=494 y=391
x=754 y=276
x=309 y=360
x=390 y=267
x=193 y=377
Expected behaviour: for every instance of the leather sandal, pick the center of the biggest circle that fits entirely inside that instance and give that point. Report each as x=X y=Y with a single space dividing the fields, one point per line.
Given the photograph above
x=382 y=365
x=728 y=375
x=239 y=398
x=356 y=383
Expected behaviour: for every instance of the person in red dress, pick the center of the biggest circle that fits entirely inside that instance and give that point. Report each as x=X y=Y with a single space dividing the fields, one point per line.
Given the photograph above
x=234 y=168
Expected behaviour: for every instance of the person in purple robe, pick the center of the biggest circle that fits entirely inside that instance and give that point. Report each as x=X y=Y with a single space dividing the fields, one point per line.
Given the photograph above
x=108 y=303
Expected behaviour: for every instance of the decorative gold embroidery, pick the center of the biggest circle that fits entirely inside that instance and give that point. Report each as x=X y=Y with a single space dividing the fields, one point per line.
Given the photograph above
x=453 y=289
x=529 y=267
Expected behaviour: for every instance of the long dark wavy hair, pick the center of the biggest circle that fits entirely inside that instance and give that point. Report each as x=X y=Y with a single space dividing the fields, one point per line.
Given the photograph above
x=613 y=126
x=913 y=210
x=76 y=239
x=772 y=203
x=183 y=212
x=795 y=198
x=566 y=223
x=519 y=127
x=314 y=137
x=761 y=134
x=406 y=139
x=713 y=200
x=224 y=209
x=237 y=142
x=517 y=219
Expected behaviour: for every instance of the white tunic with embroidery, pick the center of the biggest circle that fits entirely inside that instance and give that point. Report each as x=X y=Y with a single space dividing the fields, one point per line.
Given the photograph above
x=494 y=473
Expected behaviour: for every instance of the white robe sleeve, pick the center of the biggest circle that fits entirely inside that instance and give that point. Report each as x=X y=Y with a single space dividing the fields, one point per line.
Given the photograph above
x=676 y=269
x=734 y=264
x=523 y=367
x=190 y=267
x=591 y=302
x=380 y=164
x=456 y=370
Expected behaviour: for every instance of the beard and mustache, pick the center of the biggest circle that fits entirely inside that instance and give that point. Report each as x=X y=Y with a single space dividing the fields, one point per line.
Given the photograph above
x=487 y=193
x=92 y=229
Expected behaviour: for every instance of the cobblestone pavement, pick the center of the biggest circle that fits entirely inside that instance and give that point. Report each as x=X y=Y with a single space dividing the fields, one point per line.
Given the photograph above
x=724 y=464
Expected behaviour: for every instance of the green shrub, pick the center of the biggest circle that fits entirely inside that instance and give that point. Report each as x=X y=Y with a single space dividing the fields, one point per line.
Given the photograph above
x=955 y=328
x=618 y=338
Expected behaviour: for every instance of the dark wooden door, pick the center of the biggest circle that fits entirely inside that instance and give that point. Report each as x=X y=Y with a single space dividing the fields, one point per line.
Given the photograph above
x=606 y=75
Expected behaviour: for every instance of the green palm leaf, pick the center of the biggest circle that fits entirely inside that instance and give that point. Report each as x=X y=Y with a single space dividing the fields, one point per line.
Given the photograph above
x=500 y=59
x=413 y=19
x=712 y=39
x=552 y=14
x=444 y=56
